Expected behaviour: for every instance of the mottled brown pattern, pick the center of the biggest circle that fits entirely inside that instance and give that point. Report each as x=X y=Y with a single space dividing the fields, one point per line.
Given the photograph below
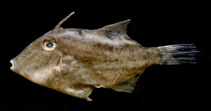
x=75 y=61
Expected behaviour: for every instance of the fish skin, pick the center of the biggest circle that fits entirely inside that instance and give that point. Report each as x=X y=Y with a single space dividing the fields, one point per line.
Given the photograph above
x=86 y=59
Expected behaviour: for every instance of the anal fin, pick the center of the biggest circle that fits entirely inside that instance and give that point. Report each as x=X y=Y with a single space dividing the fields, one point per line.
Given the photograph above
x=127 y=86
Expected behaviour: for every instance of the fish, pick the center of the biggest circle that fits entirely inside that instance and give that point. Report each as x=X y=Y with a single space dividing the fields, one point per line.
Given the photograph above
x=75 y=61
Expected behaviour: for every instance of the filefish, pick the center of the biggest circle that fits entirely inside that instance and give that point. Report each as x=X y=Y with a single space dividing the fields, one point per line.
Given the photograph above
x=76 y=61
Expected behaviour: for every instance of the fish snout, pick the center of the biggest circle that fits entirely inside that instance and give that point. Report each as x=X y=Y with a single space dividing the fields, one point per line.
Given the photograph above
x=17 y=68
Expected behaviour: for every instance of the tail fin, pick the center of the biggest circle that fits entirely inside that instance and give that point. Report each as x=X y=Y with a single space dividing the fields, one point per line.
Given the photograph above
x=178 y=54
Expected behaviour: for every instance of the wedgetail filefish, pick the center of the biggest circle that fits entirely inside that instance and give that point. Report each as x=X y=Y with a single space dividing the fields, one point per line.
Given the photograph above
x=76 y=61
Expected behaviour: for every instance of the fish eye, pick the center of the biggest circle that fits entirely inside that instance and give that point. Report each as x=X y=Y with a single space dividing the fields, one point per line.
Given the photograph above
x=49 y=45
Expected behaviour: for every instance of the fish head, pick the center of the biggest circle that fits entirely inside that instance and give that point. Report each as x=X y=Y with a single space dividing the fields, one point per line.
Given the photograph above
x=38 y=60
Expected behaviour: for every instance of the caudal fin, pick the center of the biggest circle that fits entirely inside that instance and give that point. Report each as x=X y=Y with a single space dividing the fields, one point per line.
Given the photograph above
x=178 y=54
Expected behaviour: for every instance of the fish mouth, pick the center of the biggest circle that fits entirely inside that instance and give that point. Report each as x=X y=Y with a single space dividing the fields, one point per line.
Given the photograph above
x=15 y=68
x=13 y=65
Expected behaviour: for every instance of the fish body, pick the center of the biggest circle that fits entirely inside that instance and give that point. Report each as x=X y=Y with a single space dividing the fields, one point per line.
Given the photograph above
x=75 y=61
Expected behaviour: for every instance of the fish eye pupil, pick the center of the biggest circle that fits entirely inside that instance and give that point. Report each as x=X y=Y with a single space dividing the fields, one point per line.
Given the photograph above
x=49 y=45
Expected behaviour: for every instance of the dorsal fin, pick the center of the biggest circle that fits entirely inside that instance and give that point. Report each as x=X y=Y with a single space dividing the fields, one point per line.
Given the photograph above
x=63 y=20
x=120 y=27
